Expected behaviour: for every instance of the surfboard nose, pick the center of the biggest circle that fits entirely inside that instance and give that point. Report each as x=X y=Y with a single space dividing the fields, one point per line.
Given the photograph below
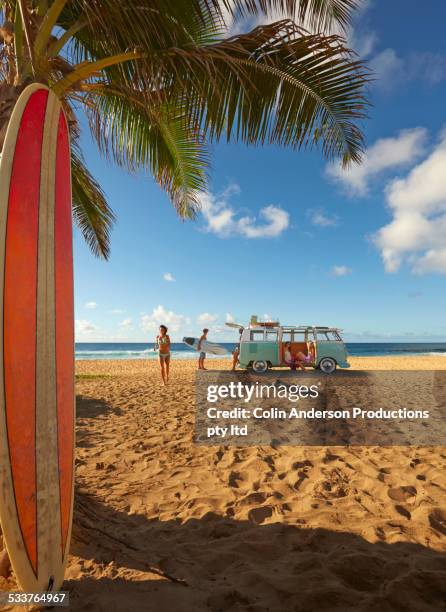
x=189 y=341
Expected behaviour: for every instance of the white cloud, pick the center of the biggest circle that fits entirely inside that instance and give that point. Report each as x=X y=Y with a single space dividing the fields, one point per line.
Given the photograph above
x=417 y=203
x=207 y=317
x=340 y=271
x=385 y=154
x=391 y=70
x=388 y=68
x=229 y=318
x=90 y=305
x=363 y=43
x=169 y=277
x=321 y=219
x=160 y=315
x=222 y=219
x=126 y=324
x=84 y=328
x=117 y=311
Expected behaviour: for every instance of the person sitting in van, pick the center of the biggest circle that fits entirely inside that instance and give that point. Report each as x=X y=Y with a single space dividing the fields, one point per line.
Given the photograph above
x=288 y=357
x=303 y=360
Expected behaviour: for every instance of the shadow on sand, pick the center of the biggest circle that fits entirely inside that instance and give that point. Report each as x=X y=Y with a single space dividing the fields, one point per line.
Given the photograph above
x=88 y=408
x=220 y=564
x=217 y=564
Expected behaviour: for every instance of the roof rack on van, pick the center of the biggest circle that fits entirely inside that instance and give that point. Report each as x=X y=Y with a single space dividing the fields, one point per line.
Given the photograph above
x=268 y=323
x=304 y=327
x=254 y=322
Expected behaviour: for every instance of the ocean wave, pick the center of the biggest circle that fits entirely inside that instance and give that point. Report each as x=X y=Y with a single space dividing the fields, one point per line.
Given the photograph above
x=146 y=354
x=113 y=352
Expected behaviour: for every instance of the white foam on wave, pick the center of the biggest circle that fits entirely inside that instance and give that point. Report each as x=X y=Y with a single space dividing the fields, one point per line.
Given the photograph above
x=144 y=354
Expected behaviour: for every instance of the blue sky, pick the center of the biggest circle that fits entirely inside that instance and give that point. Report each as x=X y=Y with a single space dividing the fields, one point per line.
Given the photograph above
x=284 y=234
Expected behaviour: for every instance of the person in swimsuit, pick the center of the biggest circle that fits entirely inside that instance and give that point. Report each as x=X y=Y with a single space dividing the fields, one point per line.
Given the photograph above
x=303 y=360
x=288 y=357
x=163 y=345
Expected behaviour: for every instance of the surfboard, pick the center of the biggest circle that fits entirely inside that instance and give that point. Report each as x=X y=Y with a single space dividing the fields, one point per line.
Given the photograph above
x=206 y=347
x=36 y=341
x=234 y=325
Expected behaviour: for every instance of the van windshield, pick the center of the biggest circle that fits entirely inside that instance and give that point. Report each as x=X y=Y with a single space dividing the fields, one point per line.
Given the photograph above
x=271 y=336
x=257 y=336
x=330 y=335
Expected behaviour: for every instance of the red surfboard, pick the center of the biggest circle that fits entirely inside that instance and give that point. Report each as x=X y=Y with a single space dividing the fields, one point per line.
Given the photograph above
x=36 y=341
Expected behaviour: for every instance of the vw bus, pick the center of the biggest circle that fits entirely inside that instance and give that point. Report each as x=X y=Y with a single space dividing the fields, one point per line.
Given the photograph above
x=262 y=345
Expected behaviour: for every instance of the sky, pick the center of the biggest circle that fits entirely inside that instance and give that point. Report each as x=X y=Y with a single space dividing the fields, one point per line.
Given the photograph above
x=286 y=235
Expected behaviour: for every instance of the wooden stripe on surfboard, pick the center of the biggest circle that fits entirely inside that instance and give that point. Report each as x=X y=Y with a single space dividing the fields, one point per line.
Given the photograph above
x=36 y=341
x=48 y=504
x=64 y=329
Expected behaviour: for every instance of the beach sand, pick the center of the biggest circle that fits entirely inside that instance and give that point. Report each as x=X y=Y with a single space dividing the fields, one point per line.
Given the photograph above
x=165 y=525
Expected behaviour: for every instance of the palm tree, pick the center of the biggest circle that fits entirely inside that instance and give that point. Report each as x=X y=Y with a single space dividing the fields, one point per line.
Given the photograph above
x=158 y=81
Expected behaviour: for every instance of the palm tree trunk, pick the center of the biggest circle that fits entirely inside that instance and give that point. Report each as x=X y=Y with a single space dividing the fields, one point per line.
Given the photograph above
x=9 y=95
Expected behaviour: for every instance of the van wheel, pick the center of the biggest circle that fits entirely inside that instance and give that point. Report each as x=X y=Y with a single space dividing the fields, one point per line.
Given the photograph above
x=327 y=365
x=260 y=366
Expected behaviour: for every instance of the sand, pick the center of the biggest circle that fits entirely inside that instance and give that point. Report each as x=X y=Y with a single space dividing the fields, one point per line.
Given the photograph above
x=165 y=525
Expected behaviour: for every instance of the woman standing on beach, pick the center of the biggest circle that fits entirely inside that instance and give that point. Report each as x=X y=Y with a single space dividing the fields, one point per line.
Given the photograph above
x=163 y=346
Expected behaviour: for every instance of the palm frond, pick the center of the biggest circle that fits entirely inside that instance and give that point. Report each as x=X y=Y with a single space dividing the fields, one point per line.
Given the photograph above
x=319 y=15
x=113 y=27
x=158 y=80
x=279 y=85
x=276 y=84
x=91 y=212
x=136 y=133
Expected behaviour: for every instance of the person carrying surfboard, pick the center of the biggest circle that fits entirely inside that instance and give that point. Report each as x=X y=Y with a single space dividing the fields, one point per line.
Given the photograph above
x=162 y=344
x=202 y=355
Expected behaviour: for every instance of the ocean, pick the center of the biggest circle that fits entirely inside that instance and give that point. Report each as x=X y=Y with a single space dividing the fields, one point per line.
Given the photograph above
x=134 y=350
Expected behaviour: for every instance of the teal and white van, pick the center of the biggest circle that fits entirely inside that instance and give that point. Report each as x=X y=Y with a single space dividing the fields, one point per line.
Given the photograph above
x=263 y=345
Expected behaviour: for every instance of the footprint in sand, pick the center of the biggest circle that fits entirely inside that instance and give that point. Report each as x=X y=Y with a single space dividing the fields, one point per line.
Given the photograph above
x=302 y=477
x=233 y=480
x=237 y=479
x=255 y=498
x=335 y=486
x=437 y=520
x=383 y=472
x=403 y=511
x=302 y=464
x=329 y=457
x=405 y=494
x=303 y=468
x=218 y=456
x=259 y=515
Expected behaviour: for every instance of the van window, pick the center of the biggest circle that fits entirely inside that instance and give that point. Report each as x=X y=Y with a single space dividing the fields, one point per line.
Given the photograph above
x=299 y=336
x=333 y=335
x=271 y=336
x=287 y=336
x=257 y=336
x=322 y=335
